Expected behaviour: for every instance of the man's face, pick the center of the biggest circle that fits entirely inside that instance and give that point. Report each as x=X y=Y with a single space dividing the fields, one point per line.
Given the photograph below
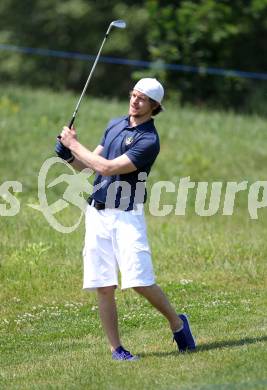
x=140 y=105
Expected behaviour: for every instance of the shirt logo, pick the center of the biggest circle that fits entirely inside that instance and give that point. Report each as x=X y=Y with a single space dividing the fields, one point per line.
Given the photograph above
x=129 y=140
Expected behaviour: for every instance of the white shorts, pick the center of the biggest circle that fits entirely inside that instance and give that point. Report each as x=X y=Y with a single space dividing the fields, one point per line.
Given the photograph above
x=116 y=240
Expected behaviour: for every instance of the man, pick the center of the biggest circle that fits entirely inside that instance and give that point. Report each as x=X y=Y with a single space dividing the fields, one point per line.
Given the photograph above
x=115 y=226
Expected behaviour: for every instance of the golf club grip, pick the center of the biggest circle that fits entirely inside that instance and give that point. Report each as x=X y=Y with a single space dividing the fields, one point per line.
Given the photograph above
x=70 y=125
x=71 y=122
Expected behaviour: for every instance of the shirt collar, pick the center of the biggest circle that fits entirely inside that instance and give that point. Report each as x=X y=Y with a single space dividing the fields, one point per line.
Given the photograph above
x=146 y=126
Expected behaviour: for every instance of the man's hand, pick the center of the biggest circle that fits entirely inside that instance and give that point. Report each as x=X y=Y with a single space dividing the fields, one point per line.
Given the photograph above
x=68 y=137
x=63 y=152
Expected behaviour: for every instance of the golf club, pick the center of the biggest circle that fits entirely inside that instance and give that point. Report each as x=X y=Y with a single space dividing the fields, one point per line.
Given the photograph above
x=115 y=23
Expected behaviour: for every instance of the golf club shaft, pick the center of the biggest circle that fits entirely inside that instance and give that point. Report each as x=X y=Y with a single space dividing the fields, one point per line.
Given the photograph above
x=88 y=81
x=115 y=23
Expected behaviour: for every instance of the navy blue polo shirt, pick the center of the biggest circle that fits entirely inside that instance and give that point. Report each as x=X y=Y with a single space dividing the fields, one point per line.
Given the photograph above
x=141 y=144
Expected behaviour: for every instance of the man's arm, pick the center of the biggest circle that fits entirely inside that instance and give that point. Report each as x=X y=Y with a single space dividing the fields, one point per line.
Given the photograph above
x=117 y=166
x=79 y=165
x=93 y=160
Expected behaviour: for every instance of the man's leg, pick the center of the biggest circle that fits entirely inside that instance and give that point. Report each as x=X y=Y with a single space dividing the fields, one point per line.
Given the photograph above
x=108 y=315
x=158 y=299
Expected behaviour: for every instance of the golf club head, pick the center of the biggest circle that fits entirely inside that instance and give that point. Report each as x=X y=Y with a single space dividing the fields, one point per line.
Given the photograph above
x=118 y=24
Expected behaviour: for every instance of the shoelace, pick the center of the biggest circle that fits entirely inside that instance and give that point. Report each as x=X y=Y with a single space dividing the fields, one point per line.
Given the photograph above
x=125 y=353
x=122 y=354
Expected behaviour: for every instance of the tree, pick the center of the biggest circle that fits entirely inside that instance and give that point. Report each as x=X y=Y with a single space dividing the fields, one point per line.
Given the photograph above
x=210 y=33
x=76 y=26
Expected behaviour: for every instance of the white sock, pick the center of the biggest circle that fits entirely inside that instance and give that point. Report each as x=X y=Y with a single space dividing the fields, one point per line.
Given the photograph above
x=179 y=329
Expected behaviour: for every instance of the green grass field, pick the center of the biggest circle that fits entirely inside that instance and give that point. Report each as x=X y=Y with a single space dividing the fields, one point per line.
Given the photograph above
x=213 y=268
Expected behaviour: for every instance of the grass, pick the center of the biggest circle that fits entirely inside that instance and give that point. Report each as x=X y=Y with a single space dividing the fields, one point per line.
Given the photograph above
x=213 y=268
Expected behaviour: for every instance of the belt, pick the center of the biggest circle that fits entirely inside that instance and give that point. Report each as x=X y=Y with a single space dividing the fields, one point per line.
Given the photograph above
x=97 y=205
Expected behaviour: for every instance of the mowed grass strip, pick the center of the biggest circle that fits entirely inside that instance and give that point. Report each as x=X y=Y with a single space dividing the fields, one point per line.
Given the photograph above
x=213 y=268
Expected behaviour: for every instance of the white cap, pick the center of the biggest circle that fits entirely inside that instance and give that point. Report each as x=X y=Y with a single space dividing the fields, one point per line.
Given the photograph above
x=151 y=88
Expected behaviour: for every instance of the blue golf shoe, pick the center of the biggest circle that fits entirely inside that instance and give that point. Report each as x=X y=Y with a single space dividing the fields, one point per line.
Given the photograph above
x=184 y=337
x=121 y=354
